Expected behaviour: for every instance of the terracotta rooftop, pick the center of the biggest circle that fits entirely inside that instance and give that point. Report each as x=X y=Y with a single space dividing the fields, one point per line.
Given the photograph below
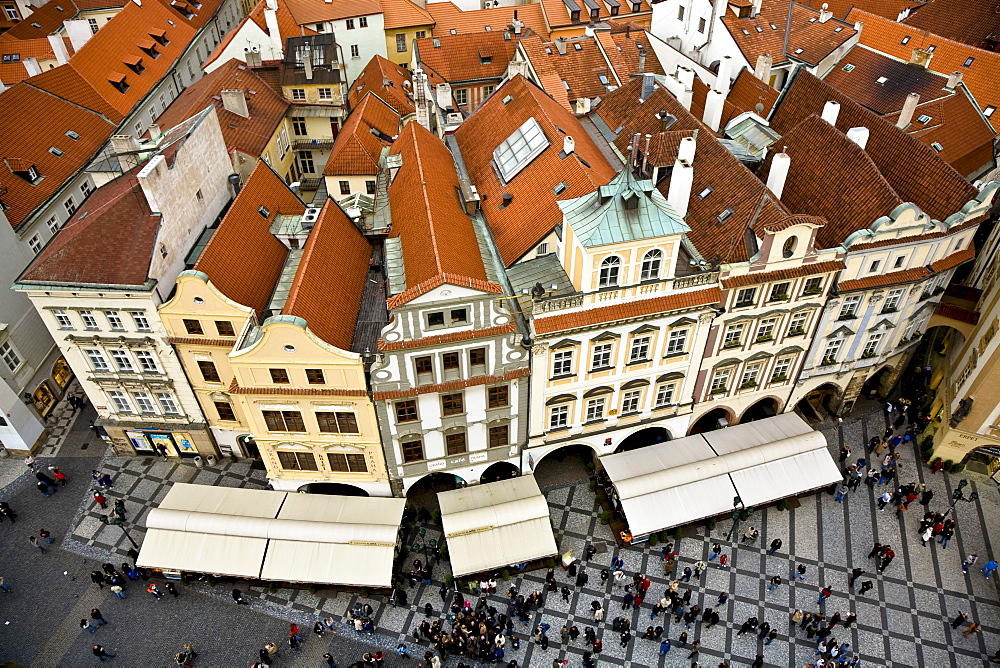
x=243 y=259
x=404 y=14
x=980 y=74
x=747 y=92
x=533 y=212
x=247 y=135
x=468 y=57
x=16 y=51
x=327 y=288
x=809 y=40
x=318 y=11
x=286 y=26
x=892 y=278
x=438 y=241
x=448 y=17
x=915 y=172
x=559 y=15
x=636 y=309
x=890 y=9
x=574 y=74
x=972 y=22
x=757 y=278
x=115 y=224
x=391 y=82
x=881 y=83
x=57 y=122
x=953 y=260
x=622 y=48
x=356 y=150
x=44 y=20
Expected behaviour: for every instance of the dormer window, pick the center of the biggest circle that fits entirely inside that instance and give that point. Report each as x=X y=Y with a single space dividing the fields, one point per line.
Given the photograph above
x=636 y=6
x=11 y=57
x=118 y=81
x=519 y=149
x=183 y=8
x=485 y=60
x=160 y=36
x=148 y=47
x=25 y=170
x=264 y=212
x=595 y=13
x=134 y=63
x=574 y=16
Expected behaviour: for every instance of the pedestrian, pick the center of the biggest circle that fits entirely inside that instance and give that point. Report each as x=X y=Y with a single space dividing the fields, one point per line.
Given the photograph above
x=105 y=480
x=926 y=497
x=155 y=591
x=695 y=648
x=959 y=620
x=884 y=499
x=101 y=654
x=969 y=561
x=723 y=597
x=96 y=615
x=865 y=586
x=626 y=637
x=582 y=578
x=34 y=542
x=775 y=583
x=192 y=655
x=59 y=476
x=45 y=535
x=845 y=452
x=238 y=597
x=876 y=548
x=43 y=488
x=887 y=558
x=775 y=546
x=162 y=449
x=333 y=664
x=87 y=625
x=772 y=634
x=99 y=498
x=118 y=591
x=171 y=589
x=972 y=628
x=716 y=551
x=723 y=561
x=800 y=572
x=851 y=618
x=589 y=552
x=665 y=647
x=946 y=535
x=750 y=535
x=686 y=576
x=988 y=569
x=6 y=511
x=824 y=594
x=763 y=629
x=265 y=656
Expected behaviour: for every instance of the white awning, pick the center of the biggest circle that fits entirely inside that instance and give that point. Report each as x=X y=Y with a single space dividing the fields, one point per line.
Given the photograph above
x=691 y=478
x=274 y=535
x=496 y=524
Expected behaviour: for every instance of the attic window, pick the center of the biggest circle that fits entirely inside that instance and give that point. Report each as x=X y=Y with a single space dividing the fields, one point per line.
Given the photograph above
x=11 y=57
x=988 y=111
x=55 y=151
x=560 y=188
x=931 y=48
x=881 y=80
x=565 y=84
x=838 y=28
x=548 y=51
x=25 y=170
x=577 y=46
x=453 y=31
x=148 y=47
x=519 y=149
x=773 y=27
x=183 y=8
x=797 y=51
x=906 y=40
x=135 y=64
x=706 y=192
x=745 y=31
x=936 y=146
x=507 y=100
x=758 y=29
x=488 y=28
x=968 y=61
x=924 y=118
x=118 y=81
x=160 y=36
x=264 y=212
x=812 y=20
x=485 y=60
x=848 y=67
x=725 y=215
x=636 y=6
x=72 y=135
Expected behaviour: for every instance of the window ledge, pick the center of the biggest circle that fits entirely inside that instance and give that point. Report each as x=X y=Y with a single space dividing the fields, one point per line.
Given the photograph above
x=677 y=354
x=602 y=369
x=593 y=422
x=630 y=414
x=645 y=361
x=563 y=376
x=553 y=430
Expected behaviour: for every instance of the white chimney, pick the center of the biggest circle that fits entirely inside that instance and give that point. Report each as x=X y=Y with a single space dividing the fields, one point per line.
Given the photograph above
x=561 y=46
x=569 y=144
x=79 y=32
x=722 y=79
x=234 y=100
x=517 y=24
x=825 y=14
x=682 y=177
x=909 y=106
x=277 y=45
x=154 y=131
x=756 y=7
x=59 y=49
x=271 y=4
x=642 y=61
x=830 y=112
x=763 y=69
x=779 y=172
x=685 y=76
x=443 y=91
x=126 y=148
x=713 y=109
x=859 y=136
x=953 y=80
x=31 y=64
x=420 y=98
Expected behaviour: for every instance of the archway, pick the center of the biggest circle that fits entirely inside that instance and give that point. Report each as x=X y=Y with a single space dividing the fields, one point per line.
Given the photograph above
x=248 y=446
x=332 y=488
x=570 y=463
x=642 y=438
x=717 y=418
x=819 y=403
x=873 y=389
x=765 y=408
x=423 y=493
x=984 y=459
x=499 y=471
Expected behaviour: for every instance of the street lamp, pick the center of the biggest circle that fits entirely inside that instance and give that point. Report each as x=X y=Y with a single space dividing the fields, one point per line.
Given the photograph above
x=737 y=501
x=117 y=521
x=959 y=494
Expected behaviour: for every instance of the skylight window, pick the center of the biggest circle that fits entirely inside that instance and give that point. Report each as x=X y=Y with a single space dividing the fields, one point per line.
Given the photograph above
x=706 y=192
x=519 y=149
x=925 y=119
x=968 y=62
x=577 y=46
x=797 y=51
x=988 y=111
x=72 y=135
x=745 y=31
x=565 y=84
x=560 y=188
x=724 y=216
x=906 y=40
x=55 y=151
x=881 y=80
x=812 y=20
x=263 y=211
x=848 y=67
x=936 y=146
x=773 y=27
x=931 y=48
x=838 y=28
x=759 y=29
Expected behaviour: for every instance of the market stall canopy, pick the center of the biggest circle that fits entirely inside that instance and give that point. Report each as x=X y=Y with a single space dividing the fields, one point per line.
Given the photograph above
x=678 y=482
x=496 y=524
x=278 y=536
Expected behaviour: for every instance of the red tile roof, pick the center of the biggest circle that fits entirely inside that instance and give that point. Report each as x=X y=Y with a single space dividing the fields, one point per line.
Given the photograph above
x=108 y=241
x=468 y=57
x=438 y=241
x=558 y=13
x=890 y=9
x=327 y=288
x=243 y=259
x=759 y=277
x=391 y=82
x=442 y=339
x=248 y=135
x=44 y=20
x=858 y=74
x=953 y=260
x=808 y=42
x=972 y=22
x=443 y=279
x=957 y=313
x=318 y=11
x=747 y=92
x=287 y=27
x=356 y=150
x=636 y=309
x=574 y=74
x=892 y=278
x=533 y=212
x=448 y=17
x=622 y=48
x=38 y=48
x=54 y=118
x=404 y=14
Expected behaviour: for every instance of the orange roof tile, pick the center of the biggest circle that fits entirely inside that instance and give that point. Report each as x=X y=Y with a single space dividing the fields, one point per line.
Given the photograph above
x=981 y=75
x=318 y=11
x=469 y=57
x=957 y=313
x=636 y=309
x=622 y=48
x=443 y=279
x=248 y=135
x=442 y=339
x=115 y=224
x=809 y=40
x=327 y=288
x=533 y=212
x=890 y=9
x=748 y=91
x=391 y=82
x=44 y=20
x=287 y=27
x=54 y=118
x=438 y=241
x=881 y=83
x=243 y=259
x=574 y=74
x=448 y=17
x=38 y=48
x=973 y=22
x=559 y=15
x=953 y=260
x=759 y=277
x=404 y=14
x=892 y=278
x=356 y=150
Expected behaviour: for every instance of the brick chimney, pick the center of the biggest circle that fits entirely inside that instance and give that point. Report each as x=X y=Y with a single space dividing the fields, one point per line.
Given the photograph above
x=921 y=57
x=953 y=80
x=234 y=100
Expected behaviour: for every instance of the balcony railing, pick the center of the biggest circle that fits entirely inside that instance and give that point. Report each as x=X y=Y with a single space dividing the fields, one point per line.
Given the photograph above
x=318 y=144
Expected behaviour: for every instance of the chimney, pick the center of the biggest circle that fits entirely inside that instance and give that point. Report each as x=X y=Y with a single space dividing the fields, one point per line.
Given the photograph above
x=682 y=177
x=234 y=100
x=763 y=69
x=825 y=14
x=859 y=136
x=126 y=148
x=516 y=24
x=722 y=78
x=921 y=57
x=252 y=56
x=779 y=172
x=909 y=106
x=443 y=91
x=271 y=4
x=642 y=60
x=569 y=144
x=756 y=8
x=154 y=131
x=31 y=64
x=685 y=76
x=2 y=87
x=277 y=45
x=79 y=32
x=59 y=49
x=561 y=46
x=953 y=80
x=307 y=61
x=420 y=98
x=830 y=112
x=713 y=109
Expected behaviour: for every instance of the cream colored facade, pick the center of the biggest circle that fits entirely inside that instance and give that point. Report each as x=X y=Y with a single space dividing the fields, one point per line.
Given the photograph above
x=278 y=153
x=399 y=41
x=276 y=388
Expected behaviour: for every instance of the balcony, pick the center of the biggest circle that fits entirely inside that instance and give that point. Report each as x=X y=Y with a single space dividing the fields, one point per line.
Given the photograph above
x=310 y=183
x=318 y=144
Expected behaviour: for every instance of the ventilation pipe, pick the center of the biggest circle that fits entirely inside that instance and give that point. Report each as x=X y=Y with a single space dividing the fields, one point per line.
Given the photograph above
x=780 y=164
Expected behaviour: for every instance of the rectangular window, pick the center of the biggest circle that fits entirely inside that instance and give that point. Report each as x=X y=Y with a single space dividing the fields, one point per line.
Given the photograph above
x=142 y=324
x=701 y=25
x=765 y=331
x=831 y=352
x=452 y=404
x=306 y=164
x=297 y=461
x=680 y=13
x=435 y=319
x=86 y=188
x=167 y=403
x=345 y=187
x=193 y=326
x=363 y=22
x=120 y=400
x=745 y=297
x=601 y=358
x=677 y=341
x=424 y=367
x=665 y=394
x=779 y=291
x=224 y=328
x=873 y=267
x=813 y=286
x=279 y=376
x=144 y=402
x=401 y=43
x=325 y=94
x=781 y=367
x=892 y=300
x=595 y=409
x=337 y=423
x=450 y=361
x=53 y=224
x=413 y=451
x=299 y=94
x=849 y=309
x=499 y=436
x=10 y=356
x=733 y=336
x=355 y=53
x=89 y=321
x=122 y=361
x=562 y=363
x=406 y=411
x=630 y=401
x=461 y=96
x=299 y=126
x=62 y=319
x=720 y=381
x=350 y=24
x=287 y=421
x=421 y=34
x=97 y=360
x=497 y=396
x=225 y=411
x=558 y=417
x=208 y=371
x=751 y=376
x=455 y=443
x=341 y=462
x=898 y=264
x=640 y=350
x=35 y=243
x=70 y=205
x=146 y=361
x=797 y=324
x=115 y=321
x=477 y=357
x=871 y=346
x=315 y=377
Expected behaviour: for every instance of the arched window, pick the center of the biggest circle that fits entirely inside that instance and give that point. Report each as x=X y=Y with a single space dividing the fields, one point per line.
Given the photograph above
x=610 y=268
x=789 y=248
x=651 y=265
